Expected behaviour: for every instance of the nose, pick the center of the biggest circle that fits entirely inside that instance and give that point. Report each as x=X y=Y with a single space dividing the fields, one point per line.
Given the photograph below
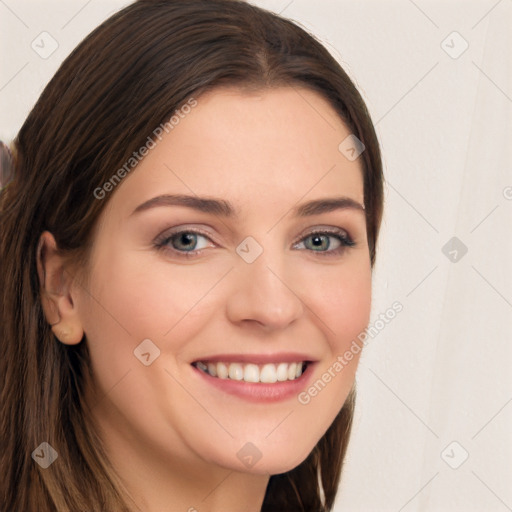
x=264 y=294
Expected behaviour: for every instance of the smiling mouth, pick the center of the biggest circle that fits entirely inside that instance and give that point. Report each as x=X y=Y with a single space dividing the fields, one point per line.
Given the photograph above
x=248 y=372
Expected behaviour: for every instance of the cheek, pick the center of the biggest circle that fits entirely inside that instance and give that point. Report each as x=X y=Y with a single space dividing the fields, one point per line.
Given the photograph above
x=134 y=300
x=127 y=303
x=342 y=299
x=141 y=300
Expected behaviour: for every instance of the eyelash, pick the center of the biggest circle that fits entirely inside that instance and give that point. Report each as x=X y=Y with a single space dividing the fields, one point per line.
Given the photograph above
x=161 y=243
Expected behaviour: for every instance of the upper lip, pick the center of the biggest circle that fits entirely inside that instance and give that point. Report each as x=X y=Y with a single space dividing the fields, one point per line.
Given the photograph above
x=280 y=357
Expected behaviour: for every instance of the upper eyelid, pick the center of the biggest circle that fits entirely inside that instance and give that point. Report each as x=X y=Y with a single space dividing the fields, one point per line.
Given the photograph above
x=324 y=229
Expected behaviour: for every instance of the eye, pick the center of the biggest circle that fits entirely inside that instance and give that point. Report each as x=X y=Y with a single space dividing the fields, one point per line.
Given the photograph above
x=182 y=243
x=320 y=242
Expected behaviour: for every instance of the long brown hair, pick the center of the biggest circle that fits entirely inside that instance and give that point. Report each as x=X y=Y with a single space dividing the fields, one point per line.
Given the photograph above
x=121 y=82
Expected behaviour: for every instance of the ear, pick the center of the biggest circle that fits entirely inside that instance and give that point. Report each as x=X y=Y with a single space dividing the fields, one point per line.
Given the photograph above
x=55 y=282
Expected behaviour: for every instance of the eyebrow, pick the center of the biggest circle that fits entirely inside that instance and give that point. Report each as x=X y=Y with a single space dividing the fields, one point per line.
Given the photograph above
x=226 y=209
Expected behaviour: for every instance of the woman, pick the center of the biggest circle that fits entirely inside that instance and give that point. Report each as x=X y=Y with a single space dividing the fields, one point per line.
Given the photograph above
x=186 y=251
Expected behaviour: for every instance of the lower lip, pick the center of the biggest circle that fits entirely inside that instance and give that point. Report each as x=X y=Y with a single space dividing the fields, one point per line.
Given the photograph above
x=258 y=391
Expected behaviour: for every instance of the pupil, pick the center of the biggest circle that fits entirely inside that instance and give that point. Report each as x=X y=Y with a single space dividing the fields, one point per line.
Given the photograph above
x=187 y=238
x=317 y=240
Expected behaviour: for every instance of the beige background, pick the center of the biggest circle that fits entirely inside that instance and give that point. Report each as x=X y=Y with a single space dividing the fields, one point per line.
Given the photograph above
x=440 y=371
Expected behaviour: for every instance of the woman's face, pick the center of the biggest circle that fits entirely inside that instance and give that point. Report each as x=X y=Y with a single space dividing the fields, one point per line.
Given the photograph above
x=237 y=284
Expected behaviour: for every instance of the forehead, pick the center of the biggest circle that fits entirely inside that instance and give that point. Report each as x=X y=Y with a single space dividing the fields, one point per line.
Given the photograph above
x=266 y=146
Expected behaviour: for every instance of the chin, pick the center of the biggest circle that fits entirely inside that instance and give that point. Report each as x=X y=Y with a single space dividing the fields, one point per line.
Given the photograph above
x=265 y=461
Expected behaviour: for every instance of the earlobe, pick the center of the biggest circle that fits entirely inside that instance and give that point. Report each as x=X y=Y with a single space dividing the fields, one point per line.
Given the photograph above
x=67 y=335
x=55 y=285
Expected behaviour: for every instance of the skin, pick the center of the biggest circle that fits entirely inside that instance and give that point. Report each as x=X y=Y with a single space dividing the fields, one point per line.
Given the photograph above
x=173 y=438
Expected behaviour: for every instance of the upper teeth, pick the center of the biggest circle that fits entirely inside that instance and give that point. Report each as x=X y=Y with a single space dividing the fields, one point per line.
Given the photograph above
x=267 y=373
